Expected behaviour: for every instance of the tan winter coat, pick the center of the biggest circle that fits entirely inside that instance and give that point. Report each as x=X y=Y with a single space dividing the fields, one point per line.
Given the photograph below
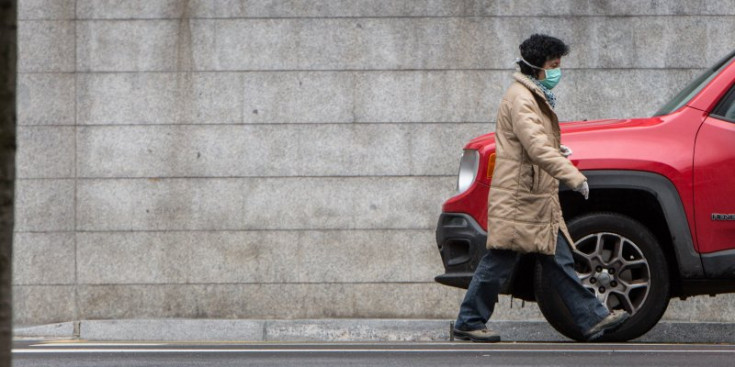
x=524 y=213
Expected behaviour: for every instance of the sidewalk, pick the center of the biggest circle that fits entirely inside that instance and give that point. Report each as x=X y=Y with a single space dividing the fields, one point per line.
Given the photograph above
x=341 y=330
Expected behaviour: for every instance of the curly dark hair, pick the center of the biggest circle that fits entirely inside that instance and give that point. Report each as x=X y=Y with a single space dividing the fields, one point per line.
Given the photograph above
x=538 y=49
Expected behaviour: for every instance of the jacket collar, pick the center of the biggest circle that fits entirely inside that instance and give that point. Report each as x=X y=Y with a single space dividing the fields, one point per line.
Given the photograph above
x=526 y=82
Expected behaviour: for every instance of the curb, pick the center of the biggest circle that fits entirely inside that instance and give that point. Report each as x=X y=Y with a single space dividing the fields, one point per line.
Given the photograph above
x=342 y=330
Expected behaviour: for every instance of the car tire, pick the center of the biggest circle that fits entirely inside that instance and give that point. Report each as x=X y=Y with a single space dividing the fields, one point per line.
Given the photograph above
x=639 y=272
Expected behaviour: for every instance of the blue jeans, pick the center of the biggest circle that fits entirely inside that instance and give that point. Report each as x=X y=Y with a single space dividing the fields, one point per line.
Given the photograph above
x=493 y=272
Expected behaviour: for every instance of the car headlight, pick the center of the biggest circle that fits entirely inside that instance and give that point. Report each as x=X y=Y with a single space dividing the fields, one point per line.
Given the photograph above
x=467 y=169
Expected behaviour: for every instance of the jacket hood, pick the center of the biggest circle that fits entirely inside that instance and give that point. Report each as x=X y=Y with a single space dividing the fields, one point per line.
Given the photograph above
x=524 y=79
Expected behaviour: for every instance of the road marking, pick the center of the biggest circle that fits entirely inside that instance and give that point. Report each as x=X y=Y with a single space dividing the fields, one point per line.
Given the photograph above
x=302 y=345
x=366 y=351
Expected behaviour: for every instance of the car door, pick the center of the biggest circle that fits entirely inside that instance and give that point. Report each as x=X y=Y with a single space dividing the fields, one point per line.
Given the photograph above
x=714 y=179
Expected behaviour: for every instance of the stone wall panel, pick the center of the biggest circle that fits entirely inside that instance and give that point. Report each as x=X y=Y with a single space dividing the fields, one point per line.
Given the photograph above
x=261 y=203
x=273 y=150
x=222 y=158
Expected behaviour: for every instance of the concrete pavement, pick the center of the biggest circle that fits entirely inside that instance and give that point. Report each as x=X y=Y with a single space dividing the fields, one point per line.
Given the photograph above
x=341 y=330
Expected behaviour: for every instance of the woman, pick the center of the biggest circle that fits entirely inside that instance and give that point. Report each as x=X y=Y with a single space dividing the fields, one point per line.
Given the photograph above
x=524 y=214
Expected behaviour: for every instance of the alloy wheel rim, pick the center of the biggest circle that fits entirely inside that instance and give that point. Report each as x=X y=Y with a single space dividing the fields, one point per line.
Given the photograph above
x=614 y=269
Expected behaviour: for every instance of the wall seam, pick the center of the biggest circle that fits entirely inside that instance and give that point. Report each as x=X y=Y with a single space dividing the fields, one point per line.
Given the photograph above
x=601 y=69
x=393 y=17
x=77 y=312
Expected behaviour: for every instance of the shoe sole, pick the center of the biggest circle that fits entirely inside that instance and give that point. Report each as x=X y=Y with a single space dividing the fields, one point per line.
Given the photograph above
x=462 y=336
x=614 y=326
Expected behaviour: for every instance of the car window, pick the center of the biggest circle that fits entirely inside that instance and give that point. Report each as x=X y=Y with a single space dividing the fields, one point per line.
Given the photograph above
x=694 y=87
x=726 y=107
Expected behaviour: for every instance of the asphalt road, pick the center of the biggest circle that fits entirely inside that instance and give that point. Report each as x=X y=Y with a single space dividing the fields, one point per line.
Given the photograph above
x=75 y=353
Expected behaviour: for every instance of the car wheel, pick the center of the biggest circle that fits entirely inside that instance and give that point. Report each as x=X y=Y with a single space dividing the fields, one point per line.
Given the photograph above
x=619 y=260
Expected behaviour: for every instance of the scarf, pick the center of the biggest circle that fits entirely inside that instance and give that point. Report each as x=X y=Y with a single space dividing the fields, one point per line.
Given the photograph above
x=550 y=97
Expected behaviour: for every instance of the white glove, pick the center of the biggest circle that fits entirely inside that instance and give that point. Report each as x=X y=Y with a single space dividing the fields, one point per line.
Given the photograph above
x=565 y=151
x=584 y=189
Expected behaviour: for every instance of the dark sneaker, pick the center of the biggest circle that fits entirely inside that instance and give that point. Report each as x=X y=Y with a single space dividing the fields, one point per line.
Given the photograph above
x=609 y=324
x=481 y=336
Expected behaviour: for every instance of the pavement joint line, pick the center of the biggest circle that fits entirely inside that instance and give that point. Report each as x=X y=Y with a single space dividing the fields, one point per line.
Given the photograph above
x=315 y=346
x=84 y=344
x=360 y=351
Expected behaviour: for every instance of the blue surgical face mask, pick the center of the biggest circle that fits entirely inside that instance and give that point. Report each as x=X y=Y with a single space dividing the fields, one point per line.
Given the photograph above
x=552 y=78
x=552 y=75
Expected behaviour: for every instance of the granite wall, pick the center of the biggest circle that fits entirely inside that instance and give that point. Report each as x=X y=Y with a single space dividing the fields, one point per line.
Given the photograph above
x=288 y=159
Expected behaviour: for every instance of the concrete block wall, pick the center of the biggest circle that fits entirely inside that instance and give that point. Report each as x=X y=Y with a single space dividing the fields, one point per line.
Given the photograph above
x=288 y=159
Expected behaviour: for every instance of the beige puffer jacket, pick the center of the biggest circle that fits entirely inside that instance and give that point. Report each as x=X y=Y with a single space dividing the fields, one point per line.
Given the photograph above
x=524 y=213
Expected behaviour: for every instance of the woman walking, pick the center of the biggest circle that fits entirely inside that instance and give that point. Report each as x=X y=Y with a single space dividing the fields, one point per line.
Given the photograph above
x=524 y=214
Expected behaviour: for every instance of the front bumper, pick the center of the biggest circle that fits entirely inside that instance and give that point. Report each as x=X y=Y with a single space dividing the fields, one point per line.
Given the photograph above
x=461 y=243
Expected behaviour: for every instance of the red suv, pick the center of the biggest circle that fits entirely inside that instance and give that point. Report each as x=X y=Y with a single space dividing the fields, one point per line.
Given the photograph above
x=660 y=219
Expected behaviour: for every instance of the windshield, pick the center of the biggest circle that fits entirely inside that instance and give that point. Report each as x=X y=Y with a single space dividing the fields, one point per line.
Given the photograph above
x=694 y=87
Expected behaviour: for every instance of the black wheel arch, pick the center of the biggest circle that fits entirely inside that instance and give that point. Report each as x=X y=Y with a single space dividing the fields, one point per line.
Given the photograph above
x=651 y=199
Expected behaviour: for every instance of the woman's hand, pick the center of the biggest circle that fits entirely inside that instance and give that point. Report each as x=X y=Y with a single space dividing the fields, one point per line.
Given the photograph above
x=565 y=151
x=584 y=189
